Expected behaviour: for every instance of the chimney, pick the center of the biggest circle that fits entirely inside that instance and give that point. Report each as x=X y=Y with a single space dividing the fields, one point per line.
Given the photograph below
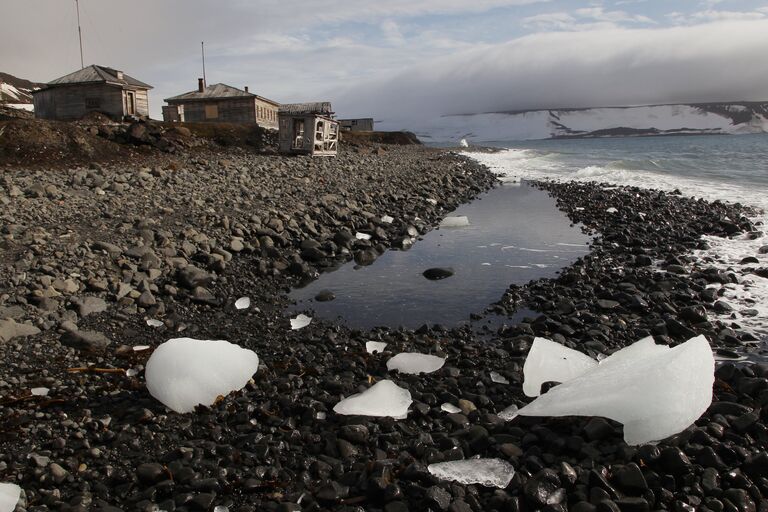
x=200 y=85
x=119 y=75
x=246 y=88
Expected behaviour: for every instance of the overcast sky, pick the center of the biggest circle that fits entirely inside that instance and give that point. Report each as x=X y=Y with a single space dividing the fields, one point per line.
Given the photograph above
x=396 y=59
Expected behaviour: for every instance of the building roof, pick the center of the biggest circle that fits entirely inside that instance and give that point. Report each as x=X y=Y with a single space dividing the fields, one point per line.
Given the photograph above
x=97 y=74
x=319 y=107
x=217 y=91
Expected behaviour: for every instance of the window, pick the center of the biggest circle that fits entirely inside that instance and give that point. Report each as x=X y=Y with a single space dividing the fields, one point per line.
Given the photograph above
x=212 y=111
x=92 y=102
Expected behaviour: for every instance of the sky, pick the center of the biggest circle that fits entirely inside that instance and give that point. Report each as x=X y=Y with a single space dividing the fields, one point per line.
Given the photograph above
x=397 y=60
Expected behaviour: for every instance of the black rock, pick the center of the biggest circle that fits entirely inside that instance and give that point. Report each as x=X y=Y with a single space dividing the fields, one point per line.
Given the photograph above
x=325 y=296
x=598 y=428
x=437 y=273
x=151 y=473
x=542 y=488
x=630 y=479
x=439 y=497
x=674 y=461
x=88 y=341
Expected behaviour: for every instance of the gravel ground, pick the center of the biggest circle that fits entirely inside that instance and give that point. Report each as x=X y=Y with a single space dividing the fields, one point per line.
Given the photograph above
x=89 y=254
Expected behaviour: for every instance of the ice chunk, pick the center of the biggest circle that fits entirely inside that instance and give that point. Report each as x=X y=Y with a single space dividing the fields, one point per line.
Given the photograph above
x=141 y=348
x=611 y=210
x=509 y=413
x=646 y=347
x=9 y=497
x=656 y=393
x=550 y=361
x=458 y=221
x=40 y=391
x=450 y=408
x=498 y=378
x=386 y=219
x=243 y=303
x=487 y=472
x=463 y=143
x=385 y=398
x=131 y=372
x=185 y=372
x=300 y=322
x=153 y=322
x=362 y=236
x=413 y=362
x=375 y=346
x=431 y=201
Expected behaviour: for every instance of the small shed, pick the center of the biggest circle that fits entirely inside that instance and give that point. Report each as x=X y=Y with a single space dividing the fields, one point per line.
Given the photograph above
x=364 y=124
x=308 y=129
x=92 y=89
x=221 y=103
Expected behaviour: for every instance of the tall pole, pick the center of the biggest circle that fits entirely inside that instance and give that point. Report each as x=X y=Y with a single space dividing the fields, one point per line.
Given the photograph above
x=79 y=33
x=202 y=48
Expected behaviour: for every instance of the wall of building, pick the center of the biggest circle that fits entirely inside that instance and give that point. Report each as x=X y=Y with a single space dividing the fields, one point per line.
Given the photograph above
x=357 y=125
x=266 y=114
x=74 y=101
x=234 y=110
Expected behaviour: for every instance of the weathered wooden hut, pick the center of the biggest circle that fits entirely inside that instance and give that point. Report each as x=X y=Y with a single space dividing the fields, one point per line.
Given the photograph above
x=308 y=129
x=92 y=89
x=364 y=124
x=221 y=103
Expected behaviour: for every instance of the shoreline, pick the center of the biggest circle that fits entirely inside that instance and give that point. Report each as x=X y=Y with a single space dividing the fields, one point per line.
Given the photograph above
x=268 y=447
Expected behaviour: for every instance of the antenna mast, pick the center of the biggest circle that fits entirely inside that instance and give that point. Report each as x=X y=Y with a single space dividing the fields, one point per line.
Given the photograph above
x=79 y=33
x=202 y=48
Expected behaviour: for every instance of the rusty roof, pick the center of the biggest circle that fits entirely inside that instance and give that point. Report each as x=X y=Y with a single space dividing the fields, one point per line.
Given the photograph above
x=318 y=107
x=217 y=91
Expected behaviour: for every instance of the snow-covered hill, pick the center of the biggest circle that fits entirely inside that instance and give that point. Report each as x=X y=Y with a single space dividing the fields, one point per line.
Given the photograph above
x=709 y=118
x=16 y=91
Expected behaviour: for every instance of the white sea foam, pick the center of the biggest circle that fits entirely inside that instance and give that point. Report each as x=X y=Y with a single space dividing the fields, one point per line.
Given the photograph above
x=751 y=293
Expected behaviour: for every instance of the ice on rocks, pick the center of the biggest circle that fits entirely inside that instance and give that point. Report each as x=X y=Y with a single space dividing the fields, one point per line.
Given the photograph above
x=9 y=497
x=413 y=362
x=655 y=391
x=550 y=361
x=300 y=322
x=487 y=472
x=509 y=413
x=184 y=372
x=458 y=221
x=611 y=210
x=386 y=219
x=463 y=143
x=243 y=303
x=153 y=322
x=385 y=398
x=498 y=378
x=375 y=346
x=449 y=408
x=141 y=348
x=362 y=236
x=40 y=391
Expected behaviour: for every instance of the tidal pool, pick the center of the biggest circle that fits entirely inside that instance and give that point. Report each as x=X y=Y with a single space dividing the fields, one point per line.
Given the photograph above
x=515 y=234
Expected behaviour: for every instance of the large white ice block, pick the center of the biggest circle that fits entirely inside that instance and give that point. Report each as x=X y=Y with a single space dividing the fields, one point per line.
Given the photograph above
x=458 y=221
x=487 y=472
x=184 y=372
x=549 y=361
x=385 y=398
x=9 y=497
x=656 y=393
x=413 y=362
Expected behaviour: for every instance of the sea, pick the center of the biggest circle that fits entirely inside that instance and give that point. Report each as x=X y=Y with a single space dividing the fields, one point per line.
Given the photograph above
x=714 y=167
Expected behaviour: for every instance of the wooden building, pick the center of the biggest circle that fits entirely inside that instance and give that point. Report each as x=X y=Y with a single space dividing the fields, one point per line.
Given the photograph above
x=221 y=103
x=92 y=89
x=364 y=124
x=308 y=129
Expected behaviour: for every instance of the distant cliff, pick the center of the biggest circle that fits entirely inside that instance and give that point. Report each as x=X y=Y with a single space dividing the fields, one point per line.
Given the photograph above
x=650 y=120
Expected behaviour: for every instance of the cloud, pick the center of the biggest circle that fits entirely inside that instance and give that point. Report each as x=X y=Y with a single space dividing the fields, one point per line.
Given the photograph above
x=722 y=61
x=587 y=18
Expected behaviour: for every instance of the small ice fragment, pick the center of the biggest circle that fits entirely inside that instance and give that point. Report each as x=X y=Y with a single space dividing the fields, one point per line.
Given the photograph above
x=509 y=413
x=413 y=362
x=9 y=497
x=184 y=372
x=656 y=393
x=487 y=472
x=141 y=348
x=550 y=361
x=154 y=322
x=485 y=264
x=243 y=303
x=431 y=201
x=40 y=391
x=458 y=221
x=321 y=415
x=611 y=210
x=375 y=346
x=386 y=219
x=131 y=372
x=362 y=236
x=498 y=378
x=463 y=143
x=450 y=408
x=220 y=508
x=300 y=322
x=579 y=208
x=385 y=398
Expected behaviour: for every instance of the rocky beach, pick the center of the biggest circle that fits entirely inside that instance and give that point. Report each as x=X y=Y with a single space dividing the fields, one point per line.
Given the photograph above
x=120 y=226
